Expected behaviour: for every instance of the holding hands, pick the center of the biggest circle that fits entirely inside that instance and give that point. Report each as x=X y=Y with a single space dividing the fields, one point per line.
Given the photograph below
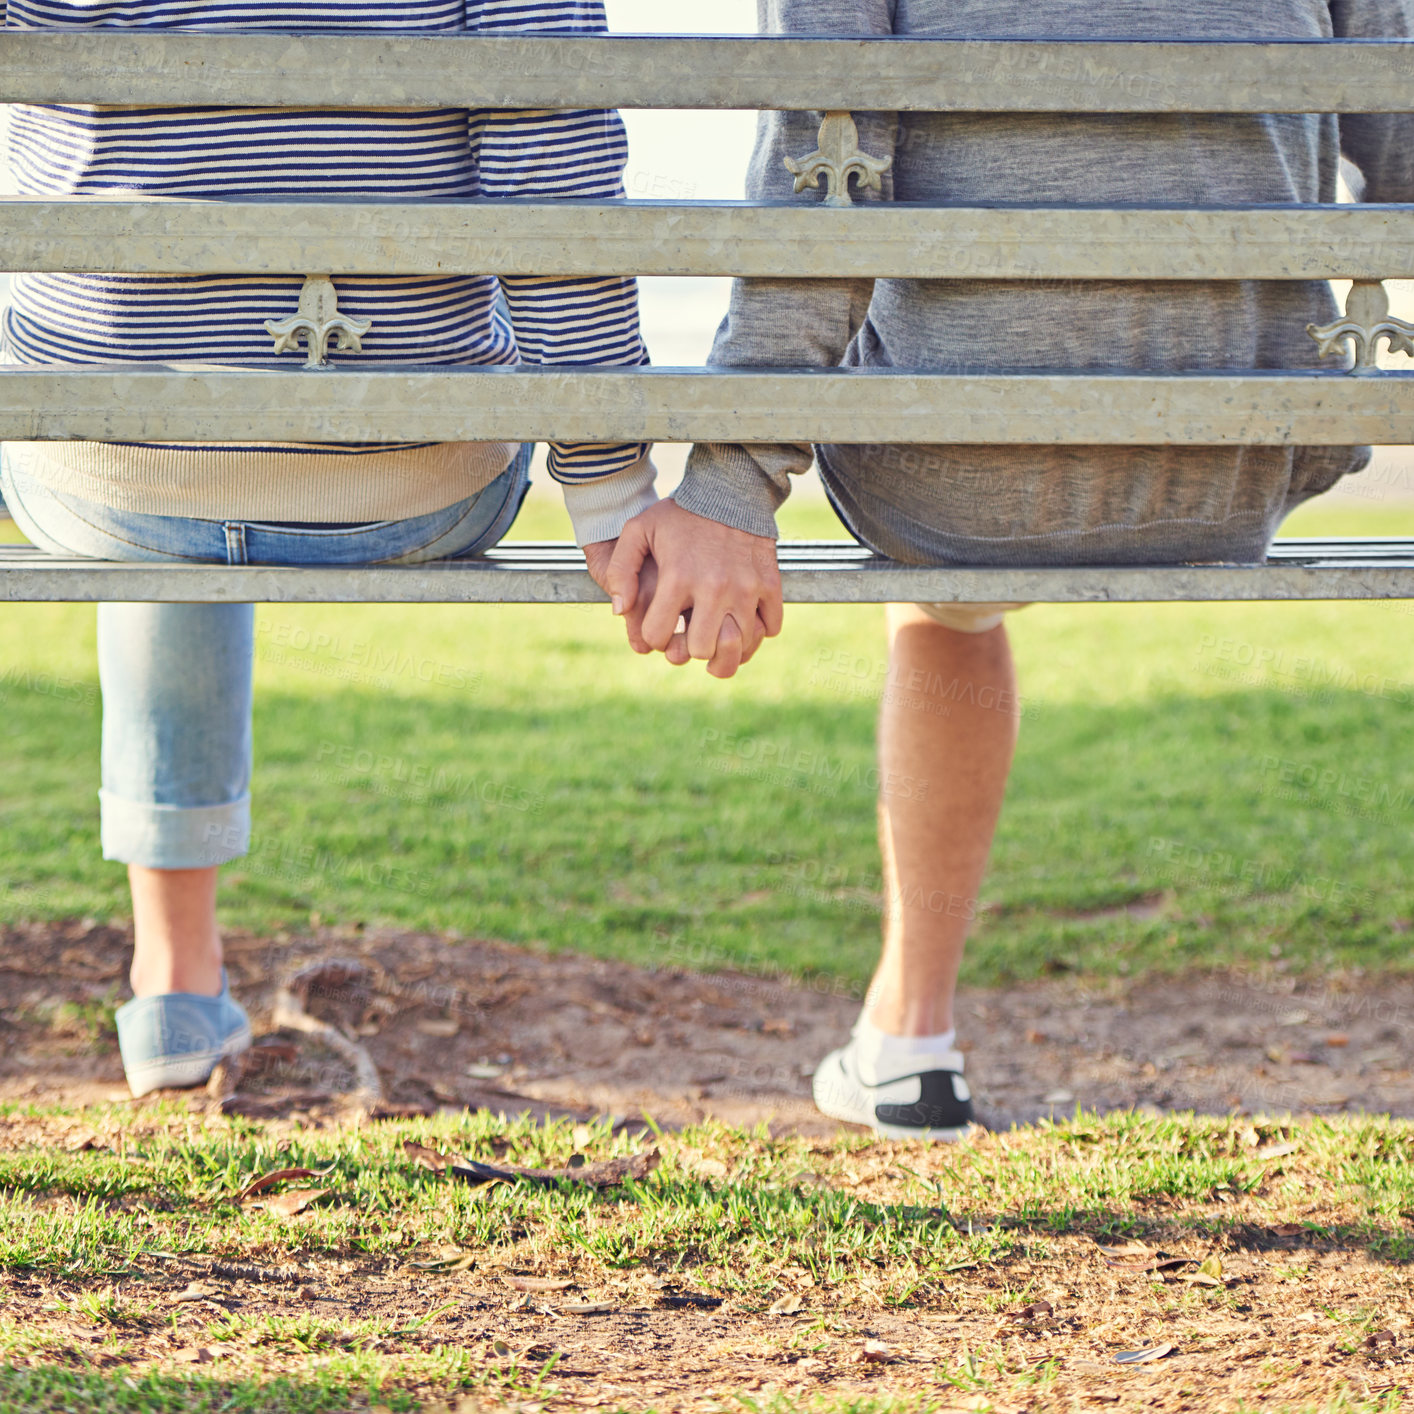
x=691 y=588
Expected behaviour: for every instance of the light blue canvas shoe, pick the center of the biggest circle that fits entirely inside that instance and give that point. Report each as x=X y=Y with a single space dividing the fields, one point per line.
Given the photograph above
x=175 y=1041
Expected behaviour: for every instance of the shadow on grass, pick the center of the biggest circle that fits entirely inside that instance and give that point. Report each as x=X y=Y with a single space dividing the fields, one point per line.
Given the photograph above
x=1177 y=1237
x=1185 y=829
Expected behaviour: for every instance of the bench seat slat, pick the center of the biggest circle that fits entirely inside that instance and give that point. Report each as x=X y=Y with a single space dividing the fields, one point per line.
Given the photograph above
x=813 y=573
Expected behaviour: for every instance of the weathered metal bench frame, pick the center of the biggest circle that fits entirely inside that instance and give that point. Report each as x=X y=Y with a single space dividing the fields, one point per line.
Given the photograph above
x=144 y=402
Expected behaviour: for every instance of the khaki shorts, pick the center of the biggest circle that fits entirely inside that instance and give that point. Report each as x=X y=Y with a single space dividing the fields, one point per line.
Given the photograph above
x=970 y=618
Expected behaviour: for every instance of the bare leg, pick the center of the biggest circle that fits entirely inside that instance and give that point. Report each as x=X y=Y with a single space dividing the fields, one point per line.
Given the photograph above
x=178 y=946
x=947 y=736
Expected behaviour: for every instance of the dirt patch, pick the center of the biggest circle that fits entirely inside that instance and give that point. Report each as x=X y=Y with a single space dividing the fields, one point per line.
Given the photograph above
x=458 y=1023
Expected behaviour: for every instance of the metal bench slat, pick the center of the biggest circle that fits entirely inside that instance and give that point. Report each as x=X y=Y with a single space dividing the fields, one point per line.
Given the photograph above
x=117 y=66
x=899 y=240
x=813 y=573
x=147 y=402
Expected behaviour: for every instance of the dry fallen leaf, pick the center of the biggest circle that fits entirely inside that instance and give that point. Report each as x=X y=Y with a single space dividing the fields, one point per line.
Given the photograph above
x=194 y=1355
x=296 y=1201
x=1037 y=1310
x=456 y=1262
x=195 y=1292
x=875 y=1352
x=1287 y=1230
x=1209 y=1274
x=424 y=1157
x=1129 y=1251
x=786 y=1305
x=1141 y=1357
x=1276 y=1151
x=588 y=1308
x=538 y=1284
x=269 y=1180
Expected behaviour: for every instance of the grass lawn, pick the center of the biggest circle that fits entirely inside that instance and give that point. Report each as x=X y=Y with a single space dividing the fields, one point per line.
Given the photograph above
x=745 y=1274
x=1243 y=773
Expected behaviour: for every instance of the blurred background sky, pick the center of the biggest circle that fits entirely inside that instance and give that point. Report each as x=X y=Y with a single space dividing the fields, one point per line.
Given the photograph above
x=687 y=156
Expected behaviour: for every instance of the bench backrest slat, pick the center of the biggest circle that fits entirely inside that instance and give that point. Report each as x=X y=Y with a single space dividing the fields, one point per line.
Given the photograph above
x=901 y=241
x=512 y=71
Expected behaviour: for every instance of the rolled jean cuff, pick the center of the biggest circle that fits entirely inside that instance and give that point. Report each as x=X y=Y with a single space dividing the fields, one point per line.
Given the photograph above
x=173 y=836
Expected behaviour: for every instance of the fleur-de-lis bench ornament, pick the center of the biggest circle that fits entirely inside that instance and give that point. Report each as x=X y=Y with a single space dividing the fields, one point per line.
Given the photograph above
x=838 y=158
x=1367 y=321
x=318 y=320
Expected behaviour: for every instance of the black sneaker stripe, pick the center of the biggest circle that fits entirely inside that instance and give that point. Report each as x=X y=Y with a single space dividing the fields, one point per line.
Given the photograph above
x=938 y=1107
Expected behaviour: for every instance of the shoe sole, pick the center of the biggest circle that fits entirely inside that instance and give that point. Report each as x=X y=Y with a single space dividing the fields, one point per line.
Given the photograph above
x=189 y=1071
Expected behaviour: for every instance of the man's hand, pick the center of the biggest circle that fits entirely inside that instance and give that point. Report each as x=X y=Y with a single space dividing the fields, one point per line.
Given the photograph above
x=725 y=583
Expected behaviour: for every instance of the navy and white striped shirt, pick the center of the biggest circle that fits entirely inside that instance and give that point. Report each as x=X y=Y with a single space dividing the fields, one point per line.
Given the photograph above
x=374 y=154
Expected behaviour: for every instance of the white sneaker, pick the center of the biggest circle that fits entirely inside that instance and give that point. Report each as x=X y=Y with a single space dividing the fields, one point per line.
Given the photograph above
x=919 y=1104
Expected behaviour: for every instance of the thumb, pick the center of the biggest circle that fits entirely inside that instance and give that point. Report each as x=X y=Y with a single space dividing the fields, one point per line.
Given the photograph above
x=621 y=580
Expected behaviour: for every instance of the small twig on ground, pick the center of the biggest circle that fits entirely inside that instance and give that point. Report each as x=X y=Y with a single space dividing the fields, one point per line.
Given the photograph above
x=225 y=1081
x=290 y=1012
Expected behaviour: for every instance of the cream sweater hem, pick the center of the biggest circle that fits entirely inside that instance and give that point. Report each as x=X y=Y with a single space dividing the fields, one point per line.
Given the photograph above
x=278 y=483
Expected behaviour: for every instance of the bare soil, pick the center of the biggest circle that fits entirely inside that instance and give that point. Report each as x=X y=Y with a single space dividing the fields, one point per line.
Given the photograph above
x=458 y=1023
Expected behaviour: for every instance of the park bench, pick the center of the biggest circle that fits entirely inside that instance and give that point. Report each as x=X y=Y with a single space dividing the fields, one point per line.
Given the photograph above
x=837 y=237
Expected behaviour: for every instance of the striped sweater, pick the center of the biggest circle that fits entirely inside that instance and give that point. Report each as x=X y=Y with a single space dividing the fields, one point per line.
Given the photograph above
x=373 y=154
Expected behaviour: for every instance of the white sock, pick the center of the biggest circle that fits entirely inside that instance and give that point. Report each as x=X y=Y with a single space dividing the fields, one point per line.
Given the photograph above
x=882 y=1057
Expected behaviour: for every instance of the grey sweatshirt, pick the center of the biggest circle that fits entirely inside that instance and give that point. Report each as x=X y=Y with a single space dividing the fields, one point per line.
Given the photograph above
x=1065 y=504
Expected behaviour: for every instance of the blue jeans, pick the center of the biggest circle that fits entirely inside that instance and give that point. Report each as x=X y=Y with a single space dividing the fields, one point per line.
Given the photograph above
x=177 y=677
